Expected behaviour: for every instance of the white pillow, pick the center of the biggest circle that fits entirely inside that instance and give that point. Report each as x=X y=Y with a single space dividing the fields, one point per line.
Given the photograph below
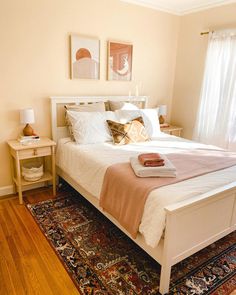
x=150 y=118
x=90 y=127
x=122 y=105
x=92 y=107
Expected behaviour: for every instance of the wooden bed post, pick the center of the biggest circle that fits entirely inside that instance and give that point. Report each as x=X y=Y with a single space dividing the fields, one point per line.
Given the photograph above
x=167 y=255
x=165 y=278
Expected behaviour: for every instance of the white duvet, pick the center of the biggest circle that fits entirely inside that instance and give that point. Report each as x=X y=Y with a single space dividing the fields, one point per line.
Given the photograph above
x=87 y=165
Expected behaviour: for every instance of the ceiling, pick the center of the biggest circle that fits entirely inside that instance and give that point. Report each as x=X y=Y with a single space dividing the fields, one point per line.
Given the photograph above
x=180 y=7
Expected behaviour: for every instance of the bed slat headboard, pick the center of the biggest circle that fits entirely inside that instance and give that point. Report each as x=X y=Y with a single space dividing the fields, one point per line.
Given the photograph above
x=59 y=130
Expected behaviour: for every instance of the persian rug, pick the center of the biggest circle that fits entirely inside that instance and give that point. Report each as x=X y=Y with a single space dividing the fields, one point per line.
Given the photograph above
x=102 y=260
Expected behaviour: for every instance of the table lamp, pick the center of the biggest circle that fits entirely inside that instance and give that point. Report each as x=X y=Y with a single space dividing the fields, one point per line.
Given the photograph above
x=162 y=113
x=27 y=117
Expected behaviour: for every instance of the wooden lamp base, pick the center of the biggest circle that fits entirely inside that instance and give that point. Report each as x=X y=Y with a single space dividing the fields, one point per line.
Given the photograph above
x=28 y=130
x=161 y=119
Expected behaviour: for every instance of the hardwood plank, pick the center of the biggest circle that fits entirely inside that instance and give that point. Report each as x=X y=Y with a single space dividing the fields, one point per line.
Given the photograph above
x=45 y=250
x=6 y=286
x=8 y=267
x=20 y=257
x=28 y=264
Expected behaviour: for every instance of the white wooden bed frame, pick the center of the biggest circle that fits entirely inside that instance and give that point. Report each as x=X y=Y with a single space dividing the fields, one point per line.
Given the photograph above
x=191 y=225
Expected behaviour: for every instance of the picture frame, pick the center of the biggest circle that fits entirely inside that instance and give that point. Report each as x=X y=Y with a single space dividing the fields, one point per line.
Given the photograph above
x=85 y=57
x=119 y=61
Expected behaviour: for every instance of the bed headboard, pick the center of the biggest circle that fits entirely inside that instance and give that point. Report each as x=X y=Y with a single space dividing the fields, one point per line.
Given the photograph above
x=59 y=130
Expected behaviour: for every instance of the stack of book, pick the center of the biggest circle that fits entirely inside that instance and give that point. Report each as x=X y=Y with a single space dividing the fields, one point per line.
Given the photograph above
x=28 y=139
x=164 y=125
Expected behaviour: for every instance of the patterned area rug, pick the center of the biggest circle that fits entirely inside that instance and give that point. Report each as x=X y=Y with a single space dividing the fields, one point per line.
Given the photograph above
x=102 y=260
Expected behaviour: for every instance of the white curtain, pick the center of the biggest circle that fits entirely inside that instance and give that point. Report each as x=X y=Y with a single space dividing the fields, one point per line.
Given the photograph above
x=216 y=119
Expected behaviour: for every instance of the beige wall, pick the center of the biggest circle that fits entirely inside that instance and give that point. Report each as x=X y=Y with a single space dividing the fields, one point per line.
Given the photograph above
x=34 y=57
x=190 y=61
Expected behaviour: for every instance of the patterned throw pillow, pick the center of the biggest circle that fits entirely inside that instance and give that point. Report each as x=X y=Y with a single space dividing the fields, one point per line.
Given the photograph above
x=130 y=132
x=150 y=119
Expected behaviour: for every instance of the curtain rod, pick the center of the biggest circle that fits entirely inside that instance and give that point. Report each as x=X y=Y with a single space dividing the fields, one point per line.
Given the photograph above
x=206 y=33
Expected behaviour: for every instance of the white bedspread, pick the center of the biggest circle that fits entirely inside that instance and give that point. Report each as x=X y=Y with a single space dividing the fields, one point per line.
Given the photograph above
x=87 y=165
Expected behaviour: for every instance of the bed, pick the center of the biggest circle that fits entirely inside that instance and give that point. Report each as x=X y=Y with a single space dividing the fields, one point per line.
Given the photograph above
x=190 y=220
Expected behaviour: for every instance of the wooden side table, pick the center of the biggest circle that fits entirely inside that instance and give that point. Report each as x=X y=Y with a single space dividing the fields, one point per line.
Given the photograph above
x=18 y=151
x=172 y=130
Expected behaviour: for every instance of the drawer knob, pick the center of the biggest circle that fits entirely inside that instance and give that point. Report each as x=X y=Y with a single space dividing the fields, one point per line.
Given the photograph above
x=35 y=152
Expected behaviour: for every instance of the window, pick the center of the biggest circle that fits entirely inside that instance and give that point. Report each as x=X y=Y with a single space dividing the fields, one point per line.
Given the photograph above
x=216 y=119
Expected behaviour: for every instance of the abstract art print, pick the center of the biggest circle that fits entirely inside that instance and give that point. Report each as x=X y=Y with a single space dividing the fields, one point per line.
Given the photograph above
x=85 y=57
x=119 y=61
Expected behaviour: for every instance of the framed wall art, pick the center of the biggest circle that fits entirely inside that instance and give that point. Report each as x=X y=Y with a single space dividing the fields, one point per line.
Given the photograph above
x=119 y=61
x=85 y=57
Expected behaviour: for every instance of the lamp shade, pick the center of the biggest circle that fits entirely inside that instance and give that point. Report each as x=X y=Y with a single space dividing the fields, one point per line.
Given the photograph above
x=27 y=116
x=162 y=110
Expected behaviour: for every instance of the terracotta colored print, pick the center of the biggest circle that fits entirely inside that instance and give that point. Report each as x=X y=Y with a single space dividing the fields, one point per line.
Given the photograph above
x=84 y=58
x=120 y=61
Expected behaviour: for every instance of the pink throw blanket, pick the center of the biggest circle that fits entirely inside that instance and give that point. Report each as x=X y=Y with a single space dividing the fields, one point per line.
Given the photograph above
x=124 y=194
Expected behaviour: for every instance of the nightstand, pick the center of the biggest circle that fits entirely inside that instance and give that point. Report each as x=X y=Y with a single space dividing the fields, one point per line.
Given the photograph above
x=44 y=147
x=172 y=130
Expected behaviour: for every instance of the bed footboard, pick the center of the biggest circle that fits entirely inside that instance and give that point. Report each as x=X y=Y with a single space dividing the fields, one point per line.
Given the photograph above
x=194 y=224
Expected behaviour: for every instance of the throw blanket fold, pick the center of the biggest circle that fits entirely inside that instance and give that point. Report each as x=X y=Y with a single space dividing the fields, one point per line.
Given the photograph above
x=123 y=194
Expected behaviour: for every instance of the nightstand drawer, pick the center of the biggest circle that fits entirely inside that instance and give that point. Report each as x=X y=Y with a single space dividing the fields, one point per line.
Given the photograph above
x=35 y=152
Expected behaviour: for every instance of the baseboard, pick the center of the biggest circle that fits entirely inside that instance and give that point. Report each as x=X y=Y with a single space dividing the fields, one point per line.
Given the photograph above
x=8 y=190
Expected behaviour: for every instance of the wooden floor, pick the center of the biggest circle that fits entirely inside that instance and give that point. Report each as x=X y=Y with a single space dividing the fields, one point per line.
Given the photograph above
x=28 y=264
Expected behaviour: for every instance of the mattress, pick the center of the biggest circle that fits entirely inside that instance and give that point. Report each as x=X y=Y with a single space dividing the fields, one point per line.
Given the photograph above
x=86 y=164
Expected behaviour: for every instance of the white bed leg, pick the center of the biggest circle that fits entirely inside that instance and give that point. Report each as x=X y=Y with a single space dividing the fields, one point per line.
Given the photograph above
x=165 y=279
